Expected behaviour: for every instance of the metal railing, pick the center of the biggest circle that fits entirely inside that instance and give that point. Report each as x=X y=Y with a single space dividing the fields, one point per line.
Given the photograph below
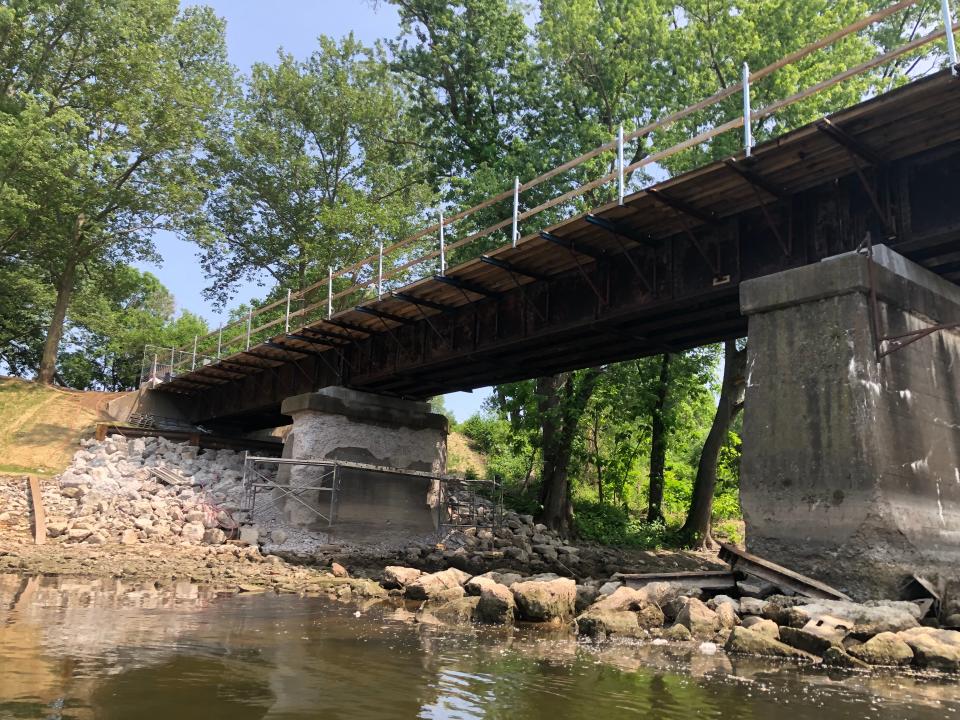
x=416 y=257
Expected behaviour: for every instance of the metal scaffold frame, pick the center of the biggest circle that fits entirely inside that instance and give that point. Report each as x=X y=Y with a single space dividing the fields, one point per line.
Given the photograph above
x=459 y=500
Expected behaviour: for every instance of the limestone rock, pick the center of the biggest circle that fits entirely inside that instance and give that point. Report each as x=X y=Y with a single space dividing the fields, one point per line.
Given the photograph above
x=475 y=584
x=751 y=606
x=763 y=626
x=545 y=600
x=743 y=641
x=249 y=534
x=701 y=621
x=623 y=598
x=600 y=624
x=836 y=657
x=129 y=537
x=804 y=640
x=586 y=596
x=828 y=627
x=398 y=576
x=863 y=620
x=460 y=610
x=56 y=529
x=727 y=615
x=933 y=648
x=339 y=570
x=677 y=632
x=496 y=604
x=883 y=649
x=426 y=586
x=214 y=536
x=193 y=532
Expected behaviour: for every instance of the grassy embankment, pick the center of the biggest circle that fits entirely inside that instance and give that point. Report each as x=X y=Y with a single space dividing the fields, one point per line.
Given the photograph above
x=43 y=425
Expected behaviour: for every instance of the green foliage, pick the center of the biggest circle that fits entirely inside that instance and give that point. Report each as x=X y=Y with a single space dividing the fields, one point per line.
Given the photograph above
x=615 y=525
x=511 y=456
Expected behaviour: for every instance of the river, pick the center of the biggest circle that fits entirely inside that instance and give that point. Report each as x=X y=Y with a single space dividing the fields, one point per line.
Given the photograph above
x=105 y=649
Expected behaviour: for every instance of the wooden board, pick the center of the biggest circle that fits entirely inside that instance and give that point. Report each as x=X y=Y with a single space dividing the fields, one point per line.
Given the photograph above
x=39 y=519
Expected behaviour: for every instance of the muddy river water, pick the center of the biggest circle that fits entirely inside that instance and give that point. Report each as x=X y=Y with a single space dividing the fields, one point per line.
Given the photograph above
x=107 y=649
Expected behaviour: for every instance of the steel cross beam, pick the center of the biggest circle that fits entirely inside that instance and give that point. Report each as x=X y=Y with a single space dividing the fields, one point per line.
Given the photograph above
x=682 y=206
x=757 y=183
x=328 y=335
x=618 y=229
x=513 y=268
x=315 y=340
x=422 y=302
x=383 y=315
x=756 y=180
x=466 y=285
x=618 y=232
x=573 y=250
x=842 y=137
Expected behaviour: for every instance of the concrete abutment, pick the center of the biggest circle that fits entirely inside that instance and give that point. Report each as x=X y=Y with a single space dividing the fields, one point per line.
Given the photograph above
x=851 y=467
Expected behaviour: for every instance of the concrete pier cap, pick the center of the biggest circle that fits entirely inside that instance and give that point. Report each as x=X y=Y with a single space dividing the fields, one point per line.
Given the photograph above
x=851 y=466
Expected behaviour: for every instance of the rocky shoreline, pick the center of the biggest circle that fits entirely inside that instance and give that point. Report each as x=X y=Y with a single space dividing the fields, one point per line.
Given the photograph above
x=112 y=516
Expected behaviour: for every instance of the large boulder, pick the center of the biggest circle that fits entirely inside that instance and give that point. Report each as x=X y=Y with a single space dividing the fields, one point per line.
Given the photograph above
x=701 y=621
x=934 y=648
x=804 y=640
x=727 y=615
x=545 y=600
x=496 y=604
x=600 y=624
x=883 y=649
x=398 y=576
x=623 y=598
x=863 y=620
x=836 y=657
x=762 y=626
x=475 y=584
x=743 y=641
x=458 y=611
x=426 y=586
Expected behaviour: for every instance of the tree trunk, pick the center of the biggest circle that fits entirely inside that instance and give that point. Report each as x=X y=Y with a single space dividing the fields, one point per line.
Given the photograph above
x=48 y=360
x=561 y=406
x=658 y=444
x=696 y=529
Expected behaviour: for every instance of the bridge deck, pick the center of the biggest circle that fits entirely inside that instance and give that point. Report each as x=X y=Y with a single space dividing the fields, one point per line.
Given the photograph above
x=685 y=245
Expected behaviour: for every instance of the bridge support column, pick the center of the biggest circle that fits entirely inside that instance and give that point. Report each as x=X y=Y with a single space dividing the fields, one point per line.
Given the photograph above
x=337 y=423
x=850 y=465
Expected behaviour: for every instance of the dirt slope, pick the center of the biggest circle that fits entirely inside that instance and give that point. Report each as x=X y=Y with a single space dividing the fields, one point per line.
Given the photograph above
x=41 y=426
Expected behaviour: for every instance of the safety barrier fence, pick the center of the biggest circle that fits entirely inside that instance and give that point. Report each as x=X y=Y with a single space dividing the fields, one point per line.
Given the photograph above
x=426 y=252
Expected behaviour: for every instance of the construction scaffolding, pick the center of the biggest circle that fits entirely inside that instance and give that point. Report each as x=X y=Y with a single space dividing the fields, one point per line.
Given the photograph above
x=447 y=502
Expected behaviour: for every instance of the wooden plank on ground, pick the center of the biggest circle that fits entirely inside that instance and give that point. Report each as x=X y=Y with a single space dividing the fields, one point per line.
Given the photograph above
x=703 y=579
x=39 y=520
x=784 y=578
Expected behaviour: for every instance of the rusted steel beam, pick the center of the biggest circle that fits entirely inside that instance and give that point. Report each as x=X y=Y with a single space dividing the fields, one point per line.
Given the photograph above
x=383 y=315
x=842 y=137
x=621 y=230
x=682 y=206
x=422 y=302
x=572 y=246
x=461 y=284
x=513 y=268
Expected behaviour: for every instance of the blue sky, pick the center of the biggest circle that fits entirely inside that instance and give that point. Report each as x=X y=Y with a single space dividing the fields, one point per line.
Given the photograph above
x=256 y=29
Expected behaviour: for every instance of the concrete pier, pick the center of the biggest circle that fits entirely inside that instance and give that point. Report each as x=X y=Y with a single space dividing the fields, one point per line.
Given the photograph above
x=337 y=423
x=850 y=465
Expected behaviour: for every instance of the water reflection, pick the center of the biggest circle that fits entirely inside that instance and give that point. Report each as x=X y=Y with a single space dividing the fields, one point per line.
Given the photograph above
x=111 y=649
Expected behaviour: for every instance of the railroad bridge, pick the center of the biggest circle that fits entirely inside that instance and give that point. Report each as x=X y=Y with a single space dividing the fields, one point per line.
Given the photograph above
x=835 y=248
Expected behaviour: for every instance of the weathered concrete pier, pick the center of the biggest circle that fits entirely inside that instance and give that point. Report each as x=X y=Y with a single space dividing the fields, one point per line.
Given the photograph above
x=851 y=452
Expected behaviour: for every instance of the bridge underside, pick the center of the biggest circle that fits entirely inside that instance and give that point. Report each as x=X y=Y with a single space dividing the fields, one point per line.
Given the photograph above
x=661 y=272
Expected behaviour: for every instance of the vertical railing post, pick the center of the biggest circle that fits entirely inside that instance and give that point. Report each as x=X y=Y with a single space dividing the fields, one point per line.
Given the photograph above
x=173 y=352
x=620 y=165
x=249 y=323
x=948 y=27
x=153 y=375
x=380 y=273
x=747 y=130
x=516 y=211
x=286 y=324
x=329 y=291
x=443 y=249
x=193 y=361
x=219 y=339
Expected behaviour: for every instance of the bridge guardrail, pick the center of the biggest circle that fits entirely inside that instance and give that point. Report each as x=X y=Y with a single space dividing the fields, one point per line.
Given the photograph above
x=415 y=257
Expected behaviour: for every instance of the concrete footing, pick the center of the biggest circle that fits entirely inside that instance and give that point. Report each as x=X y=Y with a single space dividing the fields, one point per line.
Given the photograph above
x=337 y=423
x=851 y=467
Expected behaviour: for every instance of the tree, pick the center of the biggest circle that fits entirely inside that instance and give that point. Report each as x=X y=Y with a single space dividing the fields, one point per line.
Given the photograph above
x=658 y=443
x=104 y=107
x=562 y=399
x=320 y=164
x=696 y=529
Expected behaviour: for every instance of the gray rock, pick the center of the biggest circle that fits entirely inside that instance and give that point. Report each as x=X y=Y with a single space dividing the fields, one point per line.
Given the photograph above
x=701 y=621
x=743 y=641
x=727 y=615
x=933 y=648
x=804 y=640
x=600 y=624
x=496 y=605
x=586 y=595
x=426 y=586
x=193 y=532
x=883 y=649
x=397 y=576
x=836 y=657
x=677 y=632
x=545 y=600
x=763 y=626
